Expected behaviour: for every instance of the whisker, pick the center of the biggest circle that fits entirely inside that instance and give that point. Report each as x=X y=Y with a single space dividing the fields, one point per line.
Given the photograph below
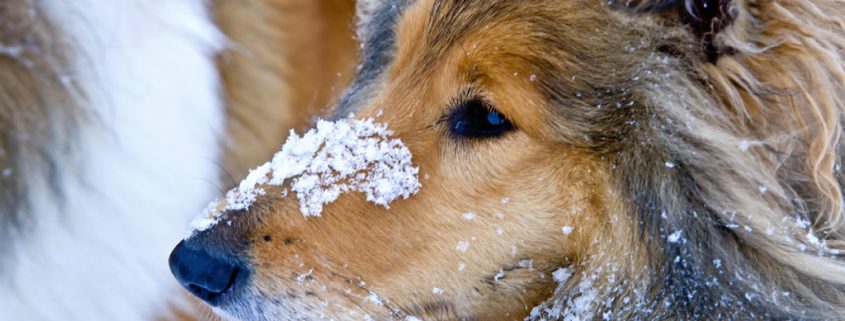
x=224 y=170
x=217 y=187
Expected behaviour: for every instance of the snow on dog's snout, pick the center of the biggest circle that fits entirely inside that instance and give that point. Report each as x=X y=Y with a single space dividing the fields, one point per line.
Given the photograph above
x=348 y=155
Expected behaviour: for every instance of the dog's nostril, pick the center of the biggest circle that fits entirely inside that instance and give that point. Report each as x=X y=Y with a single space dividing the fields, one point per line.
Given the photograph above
x=204 y=275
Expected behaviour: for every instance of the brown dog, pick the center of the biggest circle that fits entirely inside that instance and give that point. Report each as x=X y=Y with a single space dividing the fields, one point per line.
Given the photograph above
x=577 y=160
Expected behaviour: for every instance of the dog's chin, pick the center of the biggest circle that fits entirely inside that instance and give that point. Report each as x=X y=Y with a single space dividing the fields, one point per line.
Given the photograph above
x=258 y=308
x=241 y=304
x=225 y=315
x=241 y=309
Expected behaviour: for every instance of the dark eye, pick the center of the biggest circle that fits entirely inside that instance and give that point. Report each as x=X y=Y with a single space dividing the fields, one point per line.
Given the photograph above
x=476 y=119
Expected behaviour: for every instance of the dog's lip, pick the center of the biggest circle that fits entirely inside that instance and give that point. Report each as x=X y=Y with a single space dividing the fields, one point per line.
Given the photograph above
x=240 y=283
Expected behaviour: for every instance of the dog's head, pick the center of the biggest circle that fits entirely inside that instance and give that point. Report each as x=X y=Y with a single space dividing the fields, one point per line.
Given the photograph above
x=554 y=158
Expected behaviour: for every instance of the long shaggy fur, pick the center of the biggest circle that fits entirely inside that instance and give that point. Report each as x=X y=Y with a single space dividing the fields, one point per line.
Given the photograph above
x=740 y=154
x=710 y=132
x=732 y=171
x=35 y=76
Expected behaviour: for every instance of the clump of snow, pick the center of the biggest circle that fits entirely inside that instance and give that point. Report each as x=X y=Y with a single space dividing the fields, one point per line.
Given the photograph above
x=499 y=276
x=745 y=145
x=579 y=305
x=802 y=223
x=207 y=219
x=675 y=237
x=567 y=230
x=11 y=51
x=462 y=247
x=469 y=216
x=375 y=299
x=304 y=276
x=813 y=239
x=527 y=264
x=348 y=155
x=562 y=275
x=437 y=291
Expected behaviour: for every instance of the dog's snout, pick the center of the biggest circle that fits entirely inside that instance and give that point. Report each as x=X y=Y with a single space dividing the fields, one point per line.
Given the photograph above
x=203 y=274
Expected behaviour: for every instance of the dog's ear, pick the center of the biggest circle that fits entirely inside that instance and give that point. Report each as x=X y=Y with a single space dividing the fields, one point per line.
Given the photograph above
x=705 y=18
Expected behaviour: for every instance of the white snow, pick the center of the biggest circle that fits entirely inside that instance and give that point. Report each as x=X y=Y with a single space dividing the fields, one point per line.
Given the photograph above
x=744 y=145
x=578 y=306
x=469 y=216
x=813 y=239
x=802 y=223
x=462 y=247
x=581 y=307
x=675 y=237
x=562 y=275
x=527 y=264
x=348 y=155
x=375 y=299
x=499 y=276
x=567 y=230
x=669 y=164
x=11 y=51
x=437 y=291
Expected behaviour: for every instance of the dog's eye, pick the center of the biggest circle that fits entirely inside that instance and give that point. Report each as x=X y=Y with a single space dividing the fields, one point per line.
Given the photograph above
x=476 y=119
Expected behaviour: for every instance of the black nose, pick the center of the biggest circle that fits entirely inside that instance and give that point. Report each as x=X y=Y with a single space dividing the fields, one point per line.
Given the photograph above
x=204 y=275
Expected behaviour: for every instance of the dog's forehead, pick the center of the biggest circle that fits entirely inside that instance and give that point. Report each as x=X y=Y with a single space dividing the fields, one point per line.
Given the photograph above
x=376 y=20
x=376 y=30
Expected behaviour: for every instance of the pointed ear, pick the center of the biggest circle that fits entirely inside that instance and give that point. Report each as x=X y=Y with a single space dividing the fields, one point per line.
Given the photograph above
x=705 y=18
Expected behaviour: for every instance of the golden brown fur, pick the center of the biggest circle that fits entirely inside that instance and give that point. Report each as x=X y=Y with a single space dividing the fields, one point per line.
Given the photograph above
x=687 y=153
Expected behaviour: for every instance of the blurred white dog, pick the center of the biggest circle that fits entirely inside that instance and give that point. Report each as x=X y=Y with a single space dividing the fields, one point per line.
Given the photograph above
x=117 y=119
